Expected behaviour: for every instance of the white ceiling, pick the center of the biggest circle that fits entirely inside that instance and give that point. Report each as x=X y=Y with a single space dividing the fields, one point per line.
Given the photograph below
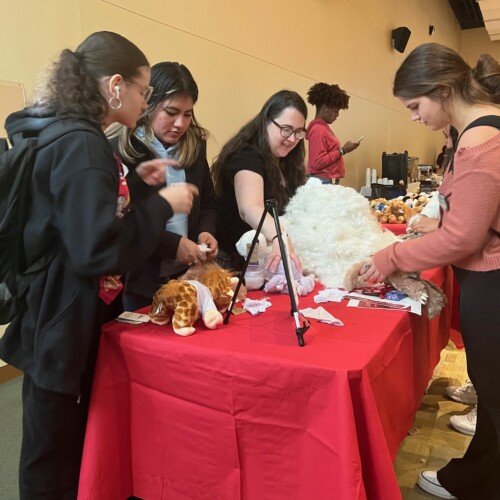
x=490 y=9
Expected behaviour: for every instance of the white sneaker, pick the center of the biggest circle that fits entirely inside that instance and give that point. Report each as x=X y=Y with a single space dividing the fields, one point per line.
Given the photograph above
x=428 y=481
x=466 y=424
x=465 y=394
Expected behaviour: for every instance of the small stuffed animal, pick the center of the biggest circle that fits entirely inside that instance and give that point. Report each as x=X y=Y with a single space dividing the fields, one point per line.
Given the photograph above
x=277 y=282
x=205 y=290
x=254 y=275
x=274 y=282
x=427 y=293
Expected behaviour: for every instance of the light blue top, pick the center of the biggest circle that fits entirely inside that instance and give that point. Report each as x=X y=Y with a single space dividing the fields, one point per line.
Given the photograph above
x=177 y=224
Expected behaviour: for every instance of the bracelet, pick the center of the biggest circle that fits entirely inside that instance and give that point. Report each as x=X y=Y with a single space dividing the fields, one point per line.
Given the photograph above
x=342 y=152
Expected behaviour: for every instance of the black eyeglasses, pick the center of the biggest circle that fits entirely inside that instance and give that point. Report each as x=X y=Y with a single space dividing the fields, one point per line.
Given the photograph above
x=146 y=91
x=287 y=131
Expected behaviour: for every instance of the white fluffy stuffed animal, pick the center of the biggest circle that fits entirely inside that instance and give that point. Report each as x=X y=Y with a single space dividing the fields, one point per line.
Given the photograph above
x=331 y=228
x=333 y=231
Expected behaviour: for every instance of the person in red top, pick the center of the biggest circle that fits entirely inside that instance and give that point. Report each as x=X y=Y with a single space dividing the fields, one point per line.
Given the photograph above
x=439 y=88
x=326 y=155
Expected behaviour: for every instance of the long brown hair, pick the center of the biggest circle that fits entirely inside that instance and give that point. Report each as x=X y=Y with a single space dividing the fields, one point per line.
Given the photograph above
x=431 y=68
x=169 y=80
x=254 y=133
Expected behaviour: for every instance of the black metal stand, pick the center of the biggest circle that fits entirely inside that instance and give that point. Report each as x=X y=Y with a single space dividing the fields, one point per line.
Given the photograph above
x=271 y=206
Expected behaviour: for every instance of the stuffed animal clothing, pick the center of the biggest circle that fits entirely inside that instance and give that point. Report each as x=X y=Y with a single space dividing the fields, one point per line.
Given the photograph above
x=274 y=282
x=183 y=301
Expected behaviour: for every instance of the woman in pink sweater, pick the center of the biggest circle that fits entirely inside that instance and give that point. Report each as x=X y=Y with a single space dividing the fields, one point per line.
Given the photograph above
x=439 y=88
x=326 y=155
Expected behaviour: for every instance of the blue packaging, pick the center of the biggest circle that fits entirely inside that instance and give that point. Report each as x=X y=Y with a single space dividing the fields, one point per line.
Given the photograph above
x=395 y=295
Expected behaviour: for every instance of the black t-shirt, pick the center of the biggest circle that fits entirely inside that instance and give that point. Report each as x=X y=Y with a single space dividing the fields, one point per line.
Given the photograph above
x=230 y=226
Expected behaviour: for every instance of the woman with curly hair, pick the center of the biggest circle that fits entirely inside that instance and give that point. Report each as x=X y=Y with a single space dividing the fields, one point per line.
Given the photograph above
x=326 y=155
x=264 y=160
x=81 y=219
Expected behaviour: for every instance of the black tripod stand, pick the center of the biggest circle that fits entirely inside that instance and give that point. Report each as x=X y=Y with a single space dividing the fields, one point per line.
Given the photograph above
x=299 y=330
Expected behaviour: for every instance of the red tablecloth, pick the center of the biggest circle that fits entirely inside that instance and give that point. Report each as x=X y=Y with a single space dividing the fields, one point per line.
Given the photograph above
x=243 y=412
x=456 y=337
x=397 y=229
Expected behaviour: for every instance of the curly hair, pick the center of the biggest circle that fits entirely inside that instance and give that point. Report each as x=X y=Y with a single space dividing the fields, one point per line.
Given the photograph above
x=331 y=96
x=255 y=133
x=431 y=67
x=73 y=84
x=169 y=80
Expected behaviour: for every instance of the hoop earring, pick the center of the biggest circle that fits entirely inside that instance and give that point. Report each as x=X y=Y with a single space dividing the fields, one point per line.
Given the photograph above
x=115 y=102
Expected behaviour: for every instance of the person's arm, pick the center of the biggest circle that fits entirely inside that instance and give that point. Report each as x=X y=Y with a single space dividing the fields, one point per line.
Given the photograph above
x=208 y=211
x=84 y=183
x=249 y=191
x=201 y=220
x=427 y=220
x=423 y=224
x=461 y=234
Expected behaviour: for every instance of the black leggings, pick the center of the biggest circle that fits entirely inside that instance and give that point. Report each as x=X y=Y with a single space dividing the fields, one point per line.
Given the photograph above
x=53 y=433
x=477 y=474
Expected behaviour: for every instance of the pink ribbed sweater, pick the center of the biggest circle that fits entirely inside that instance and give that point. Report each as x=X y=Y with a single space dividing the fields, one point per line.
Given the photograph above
x=469 y=236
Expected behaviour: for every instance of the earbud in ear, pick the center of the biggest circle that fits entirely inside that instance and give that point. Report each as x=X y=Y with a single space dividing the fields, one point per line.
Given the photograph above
x=117 y=90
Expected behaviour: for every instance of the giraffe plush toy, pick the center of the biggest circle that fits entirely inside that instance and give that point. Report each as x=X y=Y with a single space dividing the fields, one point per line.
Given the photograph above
x=203 y=291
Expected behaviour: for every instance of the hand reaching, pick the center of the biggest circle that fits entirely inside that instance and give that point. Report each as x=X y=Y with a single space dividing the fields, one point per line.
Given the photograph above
x=180 y=196
x=188 y=252
x=422 y=224
x=275 y=256
x=152 y=172
x=368 y=272
x=208 y=240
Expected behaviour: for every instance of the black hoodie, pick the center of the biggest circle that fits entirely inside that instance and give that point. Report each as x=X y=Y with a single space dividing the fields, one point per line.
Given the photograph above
x=74 y=190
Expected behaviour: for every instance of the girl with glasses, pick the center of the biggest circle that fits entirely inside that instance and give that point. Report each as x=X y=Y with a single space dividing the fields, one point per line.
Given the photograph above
x=81 y=219
x=264 y=160
x=326 y=155
x=168 y=129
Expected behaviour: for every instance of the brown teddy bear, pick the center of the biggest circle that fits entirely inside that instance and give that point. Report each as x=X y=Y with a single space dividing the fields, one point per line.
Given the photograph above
x=393 y=211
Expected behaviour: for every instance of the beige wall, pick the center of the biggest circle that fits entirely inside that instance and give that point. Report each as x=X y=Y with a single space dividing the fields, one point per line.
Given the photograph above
x=32 y=32
x=476 y=42
x=241 y=52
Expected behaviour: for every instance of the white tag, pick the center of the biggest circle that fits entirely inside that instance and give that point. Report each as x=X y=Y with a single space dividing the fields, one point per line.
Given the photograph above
x=133 y=318
x=254 y=258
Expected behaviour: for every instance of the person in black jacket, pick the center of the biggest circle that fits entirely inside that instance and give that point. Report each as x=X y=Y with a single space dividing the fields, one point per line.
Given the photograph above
x=94 y=224
x=168 y=129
